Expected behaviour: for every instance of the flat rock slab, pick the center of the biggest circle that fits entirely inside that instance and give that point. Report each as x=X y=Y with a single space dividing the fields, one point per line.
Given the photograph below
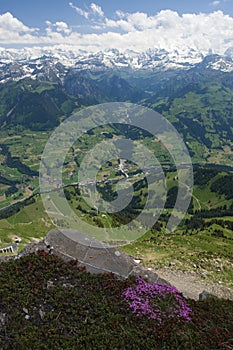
x=97 y=257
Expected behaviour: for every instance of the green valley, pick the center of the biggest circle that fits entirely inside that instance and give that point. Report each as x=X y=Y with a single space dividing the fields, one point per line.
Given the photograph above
x=198 y=105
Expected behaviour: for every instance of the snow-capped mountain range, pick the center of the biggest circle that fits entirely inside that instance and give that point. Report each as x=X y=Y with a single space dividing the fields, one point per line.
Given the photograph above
x=54 y=63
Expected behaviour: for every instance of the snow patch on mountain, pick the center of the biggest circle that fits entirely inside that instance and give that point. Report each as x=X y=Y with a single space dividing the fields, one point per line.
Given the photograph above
x=222 y=64
x=54 y=63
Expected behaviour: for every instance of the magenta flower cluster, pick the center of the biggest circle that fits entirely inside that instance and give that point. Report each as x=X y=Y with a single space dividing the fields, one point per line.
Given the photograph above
x=157 y=301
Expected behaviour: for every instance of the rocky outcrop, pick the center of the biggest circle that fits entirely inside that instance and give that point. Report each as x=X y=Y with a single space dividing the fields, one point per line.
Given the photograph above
x=95 y=256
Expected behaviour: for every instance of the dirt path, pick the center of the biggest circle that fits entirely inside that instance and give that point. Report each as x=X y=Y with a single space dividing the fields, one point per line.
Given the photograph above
x=191 y=284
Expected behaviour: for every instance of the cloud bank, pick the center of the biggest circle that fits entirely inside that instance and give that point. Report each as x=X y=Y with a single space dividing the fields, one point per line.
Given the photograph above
x=136 y=31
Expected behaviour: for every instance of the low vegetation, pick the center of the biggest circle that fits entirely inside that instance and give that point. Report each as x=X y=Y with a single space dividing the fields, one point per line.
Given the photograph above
x=48 y=304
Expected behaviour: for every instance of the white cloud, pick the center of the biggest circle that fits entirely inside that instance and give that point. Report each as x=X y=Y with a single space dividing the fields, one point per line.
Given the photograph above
x=93 y=10
x=215 y=3
x=97 y=10
x=60 y=27
x=12 y=24
x=137 y=31
x=80 y=11
x=121 y=24
x=120 y=14
x=218 y=2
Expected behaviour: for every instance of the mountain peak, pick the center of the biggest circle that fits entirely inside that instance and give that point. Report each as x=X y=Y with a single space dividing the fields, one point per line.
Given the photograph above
x=17 y=64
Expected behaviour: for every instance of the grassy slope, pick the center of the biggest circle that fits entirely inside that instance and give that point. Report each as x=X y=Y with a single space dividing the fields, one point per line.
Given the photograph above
x=30 y=223
x=198 y=248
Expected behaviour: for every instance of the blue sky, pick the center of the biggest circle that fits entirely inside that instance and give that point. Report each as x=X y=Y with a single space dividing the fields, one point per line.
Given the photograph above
x=134 y=24
x=35 y=13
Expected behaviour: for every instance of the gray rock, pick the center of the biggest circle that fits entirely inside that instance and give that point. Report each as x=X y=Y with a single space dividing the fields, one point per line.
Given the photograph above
x=2 y=319
x=96 y=256
x=42 y=314
x=204 y=295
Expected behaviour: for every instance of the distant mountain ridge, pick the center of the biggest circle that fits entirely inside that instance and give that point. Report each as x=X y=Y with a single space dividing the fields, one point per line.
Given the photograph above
x=55 y=63
x=193 y=91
